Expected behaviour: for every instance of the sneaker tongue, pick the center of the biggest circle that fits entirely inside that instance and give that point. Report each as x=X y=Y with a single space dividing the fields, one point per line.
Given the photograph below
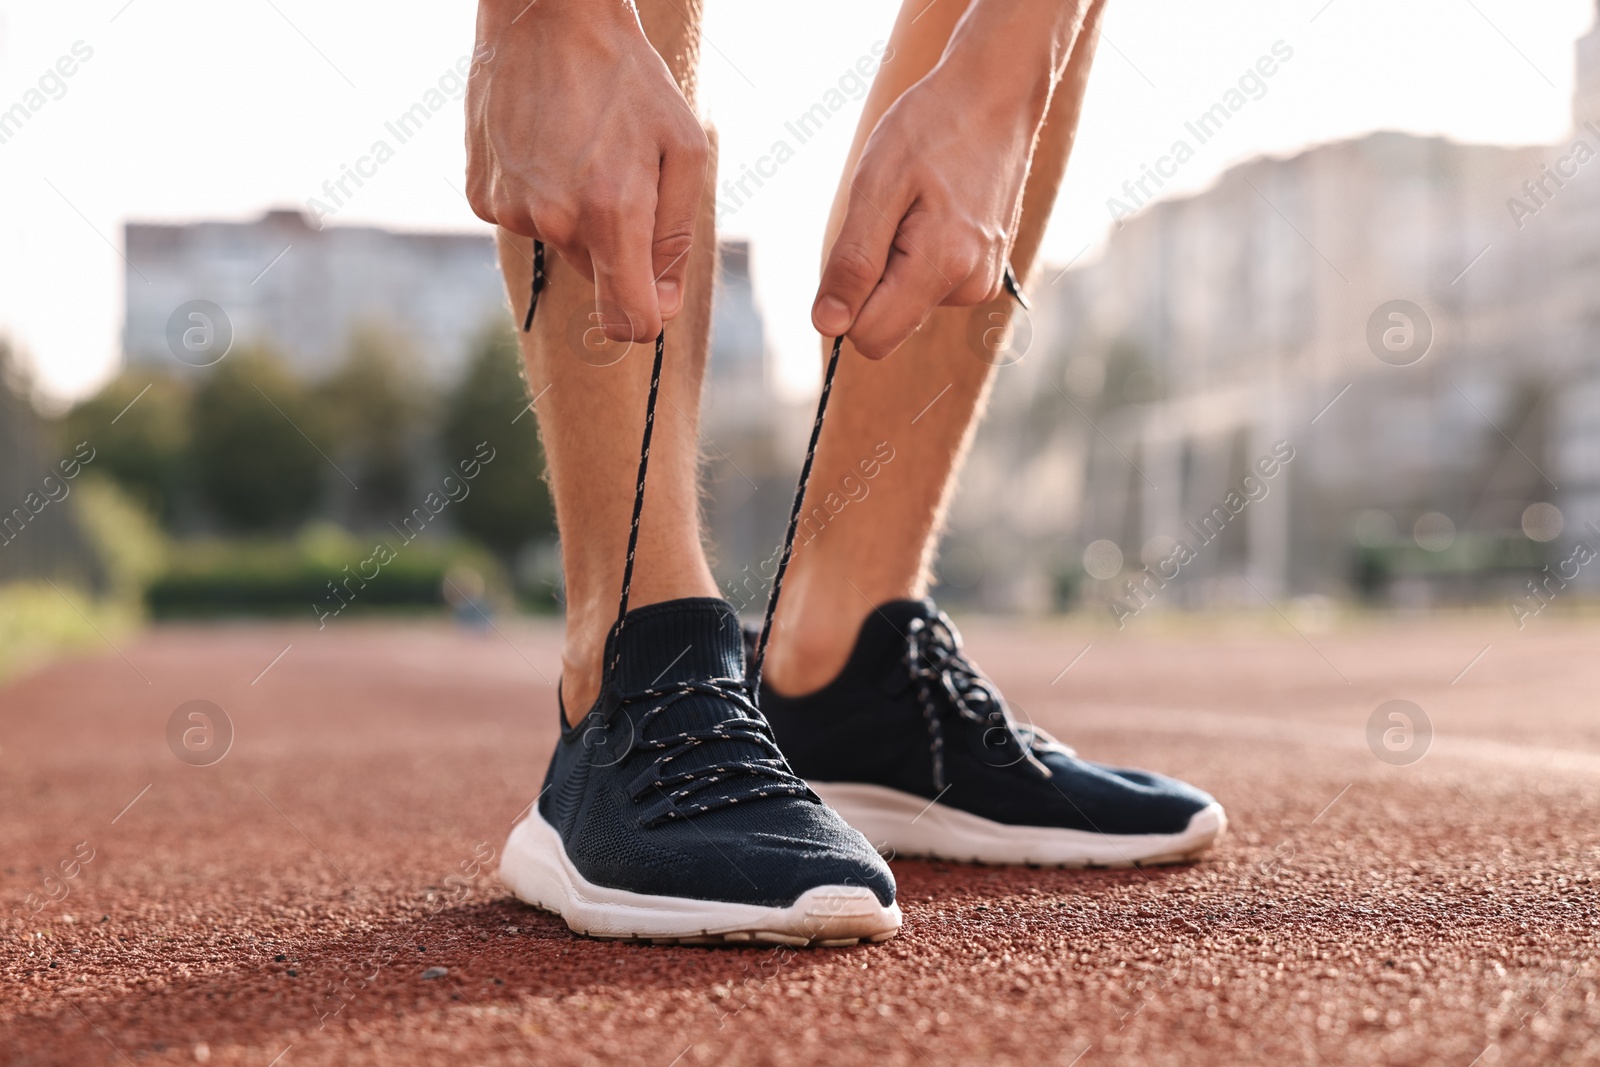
x=675 y=641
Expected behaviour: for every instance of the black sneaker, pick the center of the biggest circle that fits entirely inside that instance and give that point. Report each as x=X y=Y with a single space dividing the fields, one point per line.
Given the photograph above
x=917 y=750
x=669 y=814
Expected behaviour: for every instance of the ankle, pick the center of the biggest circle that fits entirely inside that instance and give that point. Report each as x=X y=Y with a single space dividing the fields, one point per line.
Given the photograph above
x=810 y=646
x=580 y=677
x=589 y=623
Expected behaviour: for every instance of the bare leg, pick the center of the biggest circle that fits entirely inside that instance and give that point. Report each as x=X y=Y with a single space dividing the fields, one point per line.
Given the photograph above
x=591 y=416
x=923 y=402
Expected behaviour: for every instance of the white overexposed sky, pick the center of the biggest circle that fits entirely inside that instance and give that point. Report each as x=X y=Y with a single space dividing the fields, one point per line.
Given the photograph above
x=192 y=109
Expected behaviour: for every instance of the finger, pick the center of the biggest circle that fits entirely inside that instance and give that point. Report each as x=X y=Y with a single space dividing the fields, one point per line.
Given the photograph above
x=678 y=194
x=575 y=256
x=985 y=282
x=558 y=231
x=495 y=202
x=623 y=281
x=856 y=261
x=912 y=286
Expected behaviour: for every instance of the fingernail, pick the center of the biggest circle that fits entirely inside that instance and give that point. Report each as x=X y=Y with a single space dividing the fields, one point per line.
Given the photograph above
x=668 y=297
x=831 y=316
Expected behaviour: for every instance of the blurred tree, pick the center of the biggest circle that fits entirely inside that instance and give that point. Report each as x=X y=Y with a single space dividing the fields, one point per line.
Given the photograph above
x=509 y=504
x=139 y=426
x=130 y=547
x=371 y=409
x=254 y=461
x=38 y=538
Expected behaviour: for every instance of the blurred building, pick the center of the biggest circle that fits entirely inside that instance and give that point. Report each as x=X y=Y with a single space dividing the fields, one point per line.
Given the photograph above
x=1586 y=103
x=1263 y=310
x=302 y=290
x=751 y=443
x=280 y=281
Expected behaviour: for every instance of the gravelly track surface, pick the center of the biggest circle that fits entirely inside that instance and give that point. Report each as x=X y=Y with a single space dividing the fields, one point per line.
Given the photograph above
x=281 y=906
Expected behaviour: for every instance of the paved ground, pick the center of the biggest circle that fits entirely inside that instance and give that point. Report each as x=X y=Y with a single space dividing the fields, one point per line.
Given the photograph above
x=283 y=905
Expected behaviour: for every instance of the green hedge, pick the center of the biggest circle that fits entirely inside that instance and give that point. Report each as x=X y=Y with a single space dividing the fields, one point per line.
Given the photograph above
x=221 y=577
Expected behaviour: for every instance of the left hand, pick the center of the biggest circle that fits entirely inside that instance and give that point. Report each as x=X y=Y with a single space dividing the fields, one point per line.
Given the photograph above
x=933 y=208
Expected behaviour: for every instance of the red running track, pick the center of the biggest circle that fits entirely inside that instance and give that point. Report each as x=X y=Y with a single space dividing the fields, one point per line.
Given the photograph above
x=282 y=906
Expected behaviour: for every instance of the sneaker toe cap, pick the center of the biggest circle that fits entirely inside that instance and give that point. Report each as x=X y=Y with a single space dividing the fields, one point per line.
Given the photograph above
x=788 y=868
x=775 y=859
x=1120 y=800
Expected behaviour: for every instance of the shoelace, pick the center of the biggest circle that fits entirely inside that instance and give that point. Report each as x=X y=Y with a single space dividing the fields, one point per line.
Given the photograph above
x=771 y=773
x=949 y=683
x=678 y=793
x=744 y=778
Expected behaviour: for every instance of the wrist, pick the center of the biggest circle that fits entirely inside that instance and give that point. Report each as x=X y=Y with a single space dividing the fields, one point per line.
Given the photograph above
x=1005 y=93
x=504 y=15
x=1009 y=54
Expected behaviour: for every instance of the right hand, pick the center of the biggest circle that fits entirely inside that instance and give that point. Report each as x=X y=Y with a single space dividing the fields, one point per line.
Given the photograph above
x=578 y=136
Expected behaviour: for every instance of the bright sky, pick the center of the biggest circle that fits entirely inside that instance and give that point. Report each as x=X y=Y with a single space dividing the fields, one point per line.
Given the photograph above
x=193 y=109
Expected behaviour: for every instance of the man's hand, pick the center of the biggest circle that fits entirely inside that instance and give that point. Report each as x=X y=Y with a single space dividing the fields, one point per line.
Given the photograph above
x=935 y=199
x=578 y=136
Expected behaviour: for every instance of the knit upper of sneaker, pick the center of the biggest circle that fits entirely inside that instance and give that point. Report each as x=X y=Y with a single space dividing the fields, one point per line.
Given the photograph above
x=672 y=784
x=911 y=712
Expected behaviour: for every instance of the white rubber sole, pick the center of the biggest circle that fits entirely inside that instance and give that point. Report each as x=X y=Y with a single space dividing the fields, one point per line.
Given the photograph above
x=904 y=824
x=535 y=867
